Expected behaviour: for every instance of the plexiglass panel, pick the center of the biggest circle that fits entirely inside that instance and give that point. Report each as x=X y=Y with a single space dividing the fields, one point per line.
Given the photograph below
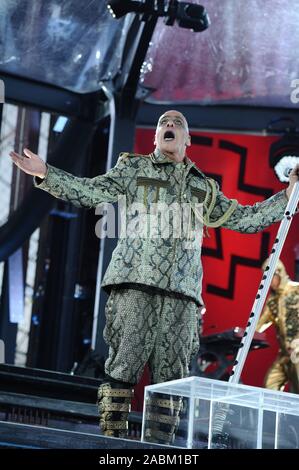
x=69 y=43
x=199 y=413
x=248 y=55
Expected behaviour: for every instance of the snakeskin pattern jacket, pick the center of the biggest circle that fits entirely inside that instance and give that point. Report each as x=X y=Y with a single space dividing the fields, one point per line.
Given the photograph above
x=169 y=260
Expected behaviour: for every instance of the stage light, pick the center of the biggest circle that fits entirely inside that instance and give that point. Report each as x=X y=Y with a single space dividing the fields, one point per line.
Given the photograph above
x=284 y=155
x=187 y=15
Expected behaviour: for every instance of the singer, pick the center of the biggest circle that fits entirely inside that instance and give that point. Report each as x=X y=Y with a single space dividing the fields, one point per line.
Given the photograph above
x=152 y=313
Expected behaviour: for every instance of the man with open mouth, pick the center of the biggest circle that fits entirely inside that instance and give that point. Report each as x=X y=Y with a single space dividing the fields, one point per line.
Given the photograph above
x=153 y=310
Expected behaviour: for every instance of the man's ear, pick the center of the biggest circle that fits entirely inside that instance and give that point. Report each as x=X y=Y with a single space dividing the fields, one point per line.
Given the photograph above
x=188 y=141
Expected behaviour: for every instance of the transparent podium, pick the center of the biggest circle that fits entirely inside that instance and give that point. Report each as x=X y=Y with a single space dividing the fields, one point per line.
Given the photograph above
x=198 y=413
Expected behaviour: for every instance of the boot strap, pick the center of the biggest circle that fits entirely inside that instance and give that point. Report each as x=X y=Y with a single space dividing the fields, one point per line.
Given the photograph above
x=165 y=437
x=110 y=425
x=114 y=392
x=171 y=404
x=165 y=419
x=114 y=407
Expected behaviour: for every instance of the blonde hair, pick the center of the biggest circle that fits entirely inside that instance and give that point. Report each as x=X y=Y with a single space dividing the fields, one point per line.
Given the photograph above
x=280 y=271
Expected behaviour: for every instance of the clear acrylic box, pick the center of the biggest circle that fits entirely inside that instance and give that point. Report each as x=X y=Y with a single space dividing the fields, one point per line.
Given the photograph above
x=197 y=413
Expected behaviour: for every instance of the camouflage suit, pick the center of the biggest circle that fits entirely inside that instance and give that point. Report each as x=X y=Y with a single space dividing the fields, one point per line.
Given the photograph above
x=155 y=282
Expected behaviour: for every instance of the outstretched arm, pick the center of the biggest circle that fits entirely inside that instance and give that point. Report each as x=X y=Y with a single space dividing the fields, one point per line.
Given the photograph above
x=251 y=219
x=30 y=163
x=82 y=192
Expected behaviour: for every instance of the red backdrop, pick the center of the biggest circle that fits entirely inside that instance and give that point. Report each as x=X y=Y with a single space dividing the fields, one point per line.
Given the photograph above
x=232 y=260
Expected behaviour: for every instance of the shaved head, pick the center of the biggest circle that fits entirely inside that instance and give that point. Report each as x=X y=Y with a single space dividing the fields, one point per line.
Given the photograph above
x=172 y=135
x=177 y=114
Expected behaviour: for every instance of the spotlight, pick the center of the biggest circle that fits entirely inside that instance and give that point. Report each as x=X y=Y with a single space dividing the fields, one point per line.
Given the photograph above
x=284 y=155
x=187 y=15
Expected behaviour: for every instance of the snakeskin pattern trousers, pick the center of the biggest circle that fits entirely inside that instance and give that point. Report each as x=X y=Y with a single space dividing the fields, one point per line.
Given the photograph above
x=153 y=328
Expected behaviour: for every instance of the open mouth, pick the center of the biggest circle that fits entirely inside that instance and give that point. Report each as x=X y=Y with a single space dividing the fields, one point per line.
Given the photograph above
x=169 y=136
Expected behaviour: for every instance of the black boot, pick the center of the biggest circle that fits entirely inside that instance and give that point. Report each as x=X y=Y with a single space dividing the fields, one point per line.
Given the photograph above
x=114 y=404
x=162 y=418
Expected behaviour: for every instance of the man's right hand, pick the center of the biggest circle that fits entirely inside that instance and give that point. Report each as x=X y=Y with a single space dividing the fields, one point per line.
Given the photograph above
x=30 y=163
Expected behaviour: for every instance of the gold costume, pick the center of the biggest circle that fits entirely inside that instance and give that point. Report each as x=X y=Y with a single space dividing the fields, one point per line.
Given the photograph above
x=282 y=310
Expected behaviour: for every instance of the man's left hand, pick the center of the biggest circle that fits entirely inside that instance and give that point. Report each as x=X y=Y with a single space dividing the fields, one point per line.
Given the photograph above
x=294 y=177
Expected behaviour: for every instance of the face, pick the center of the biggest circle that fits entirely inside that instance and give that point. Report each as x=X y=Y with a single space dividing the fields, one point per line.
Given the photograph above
x=172 y=135
x=275 y=282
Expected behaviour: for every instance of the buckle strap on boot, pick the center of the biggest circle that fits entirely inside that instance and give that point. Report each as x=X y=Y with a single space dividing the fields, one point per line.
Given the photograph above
x=165 y=419
x=103 y=407
x=114 y=405
x=105 y=390
x=171 y=404
x=162 y=418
